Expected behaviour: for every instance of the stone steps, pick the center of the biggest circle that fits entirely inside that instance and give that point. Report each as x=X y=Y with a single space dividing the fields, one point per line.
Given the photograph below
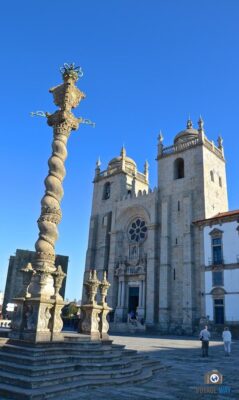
x=36 y=370
x=69 y=348
x=58 y=359
x=63 y=392
x=31 y=372
x=65 y=377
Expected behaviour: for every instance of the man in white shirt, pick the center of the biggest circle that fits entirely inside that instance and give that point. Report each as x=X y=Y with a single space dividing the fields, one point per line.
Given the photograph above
x=204 y=337
x=227 y=339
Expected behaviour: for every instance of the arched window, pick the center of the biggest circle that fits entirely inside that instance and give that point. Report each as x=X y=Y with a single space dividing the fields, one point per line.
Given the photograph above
x=106 y=191
x=212 y=176
x=179 y=168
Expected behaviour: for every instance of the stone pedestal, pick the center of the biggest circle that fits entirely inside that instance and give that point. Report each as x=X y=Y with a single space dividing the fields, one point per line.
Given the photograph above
x=104 y=324
x=91 y=320
x=36 y=320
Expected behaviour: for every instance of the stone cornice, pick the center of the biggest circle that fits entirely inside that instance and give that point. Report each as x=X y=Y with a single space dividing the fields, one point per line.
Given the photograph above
x=221 y=267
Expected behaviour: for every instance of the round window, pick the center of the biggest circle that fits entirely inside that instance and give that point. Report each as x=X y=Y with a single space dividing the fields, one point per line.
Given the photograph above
x=137 y=230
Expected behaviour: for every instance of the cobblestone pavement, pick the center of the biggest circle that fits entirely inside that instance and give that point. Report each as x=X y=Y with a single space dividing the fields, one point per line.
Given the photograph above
x=184 y=375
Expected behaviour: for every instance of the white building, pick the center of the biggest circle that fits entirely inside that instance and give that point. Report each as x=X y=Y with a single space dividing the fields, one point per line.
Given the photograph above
x=221 y=267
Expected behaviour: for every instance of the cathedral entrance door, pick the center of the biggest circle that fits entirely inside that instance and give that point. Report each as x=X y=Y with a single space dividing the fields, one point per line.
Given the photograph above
x=133 y=299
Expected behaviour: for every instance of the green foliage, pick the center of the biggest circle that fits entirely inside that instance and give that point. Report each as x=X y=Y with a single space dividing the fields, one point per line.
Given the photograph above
x=70 y=310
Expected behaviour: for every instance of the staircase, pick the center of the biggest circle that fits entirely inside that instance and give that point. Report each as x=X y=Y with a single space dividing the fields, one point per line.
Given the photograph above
x=56 y=370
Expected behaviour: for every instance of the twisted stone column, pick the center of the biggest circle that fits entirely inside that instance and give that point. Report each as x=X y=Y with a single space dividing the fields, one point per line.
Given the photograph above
x=38 y=317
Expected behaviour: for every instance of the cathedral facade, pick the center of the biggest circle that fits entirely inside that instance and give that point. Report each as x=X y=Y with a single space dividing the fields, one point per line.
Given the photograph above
x=146 y=240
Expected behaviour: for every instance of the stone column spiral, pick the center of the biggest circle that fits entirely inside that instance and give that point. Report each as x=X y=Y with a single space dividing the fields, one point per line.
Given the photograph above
x=38 y=317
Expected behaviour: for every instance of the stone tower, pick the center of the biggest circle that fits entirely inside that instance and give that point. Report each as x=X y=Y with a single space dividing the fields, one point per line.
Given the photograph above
x=121 y=180
x=146 y=239
x=192 y=186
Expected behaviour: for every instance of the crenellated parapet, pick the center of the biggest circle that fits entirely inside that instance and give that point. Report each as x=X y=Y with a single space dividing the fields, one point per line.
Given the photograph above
x=144 y=194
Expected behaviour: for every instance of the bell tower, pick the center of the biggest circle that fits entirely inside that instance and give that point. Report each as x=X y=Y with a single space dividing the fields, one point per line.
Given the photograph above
x=192 y=186
x=120 y=181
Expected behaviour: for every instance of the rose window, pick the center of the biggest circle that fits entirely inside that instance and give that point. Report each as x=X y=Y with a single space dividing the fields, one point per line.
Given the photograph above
x=138 y=230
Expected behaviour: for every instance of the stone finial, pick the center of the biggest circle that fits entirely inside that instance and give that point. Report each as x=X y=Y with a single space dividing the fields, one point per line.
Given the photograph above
x=201 y=134
x=97 y=167
x=59 y=276
x=160 y=144
x=200 y=124
x=92 y=285
x=98 y=163
x=160 y=137
x=27 y=272
x=189 y=123
x=104 y=286
x=220 y=142
x=123 y=155
x=123 y=151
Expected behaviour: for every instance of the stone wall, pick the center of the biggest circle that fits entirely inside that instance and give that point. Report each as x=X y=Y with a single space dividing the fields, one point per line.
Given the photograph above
x=14 y=276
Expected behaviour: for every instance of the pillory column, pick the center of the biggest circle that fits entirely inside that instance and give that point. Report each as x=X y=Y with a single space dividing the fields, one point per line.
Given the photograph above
x=38 y=314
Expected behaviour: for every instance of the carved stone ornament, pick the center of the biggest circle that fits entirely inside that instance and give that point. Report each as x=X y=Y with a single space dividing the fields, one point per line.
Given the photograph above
x=27 y=272
x=104 y=324
x=104 y=287
x=92 y=285
x=59 y=276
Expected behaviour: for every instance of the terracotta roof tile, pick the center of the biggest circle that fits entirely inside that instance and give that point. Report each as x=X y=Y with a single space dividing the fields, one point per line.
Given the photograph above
x=220 y=215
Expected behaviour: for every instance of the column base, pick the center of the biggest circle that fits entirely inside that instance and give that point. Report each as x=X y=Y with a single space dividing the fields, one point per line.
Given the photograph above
x=37 y=320
x=90 y=321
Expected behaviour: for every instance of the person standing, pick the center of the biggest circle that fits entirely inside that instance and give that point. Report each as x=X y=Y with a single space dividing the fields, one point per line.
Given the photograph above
x=204 y=337
x=227 y=339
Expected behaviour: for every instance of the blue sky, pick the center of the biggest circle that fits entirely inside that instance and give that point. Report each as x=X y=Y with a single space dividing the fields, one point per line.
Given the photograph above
x=147 y=65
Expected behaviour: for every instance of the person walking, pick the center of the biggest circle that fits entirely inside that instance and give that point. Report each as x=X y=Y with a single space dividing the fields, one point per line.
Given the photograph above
x=227 y=339
x=204 y=337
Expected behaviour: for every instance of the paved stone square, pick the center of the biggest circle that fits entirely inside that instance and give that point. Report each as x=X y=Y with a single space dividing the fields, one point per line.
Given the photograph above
x=184 y=370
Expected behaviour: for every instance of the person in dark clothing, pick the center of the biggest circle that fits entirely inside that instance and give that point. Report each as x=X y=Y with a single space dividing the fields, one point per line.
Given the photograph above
x=204 y=337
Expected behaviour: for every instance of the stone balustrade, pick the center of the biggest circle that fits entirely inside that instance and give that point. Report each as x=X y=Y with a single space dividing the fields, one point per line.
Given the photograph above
x=186 y=145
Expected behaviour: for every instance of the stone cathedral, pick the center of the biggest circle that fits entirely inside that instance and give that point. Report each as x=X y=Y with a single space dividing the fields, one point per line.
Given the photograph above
x=146 y=240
